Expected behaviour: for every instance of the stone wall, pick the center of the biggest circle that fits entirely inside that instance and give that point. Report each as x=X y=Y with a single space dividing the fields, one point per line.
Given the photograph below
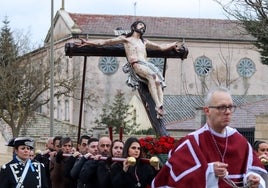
x=39 y=129
x=261 y=129
x=5 y=152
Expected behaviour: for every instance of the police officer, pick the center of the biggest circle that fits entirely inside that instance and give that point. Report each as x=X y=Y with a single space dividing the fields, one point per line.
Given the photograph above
x=21 y=172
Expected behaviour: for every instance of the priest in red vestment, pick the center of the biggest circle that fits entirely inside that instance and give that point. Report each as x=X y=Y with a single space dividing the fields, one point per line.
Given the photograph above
x=214 y=156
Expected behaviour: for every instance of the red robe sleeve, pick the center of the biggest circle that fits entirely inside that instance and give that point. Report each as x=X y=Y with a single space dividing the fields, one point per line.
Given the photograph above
x=181 y=173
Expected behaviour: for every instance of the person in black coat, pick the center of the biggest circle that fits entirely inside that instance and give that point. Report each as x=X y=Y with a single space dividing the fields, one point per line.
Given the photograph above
x=92 y=151
x=12 y=173
x=88 y=174
x=131 y=175
x=104 y=167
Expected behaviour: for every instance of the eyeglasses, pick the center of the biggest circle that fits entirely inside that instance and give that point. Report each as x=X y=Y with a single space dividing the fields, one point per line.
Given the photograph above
x=223 y=108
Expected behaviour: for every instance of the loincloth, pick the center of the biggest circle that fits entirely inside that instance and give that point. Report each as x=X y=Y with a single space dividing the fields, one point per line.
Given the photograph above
x=133 y=76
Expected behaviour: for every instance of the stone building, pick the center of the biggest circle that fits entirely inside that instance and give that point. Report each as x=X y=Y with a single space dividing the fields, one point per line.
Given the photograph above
x=220 y=53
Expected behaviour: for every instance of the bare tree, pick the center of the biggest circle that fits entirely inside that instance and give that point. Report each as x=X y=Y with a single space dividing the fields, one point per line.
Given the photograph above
x=252 y=15
x=25 y=81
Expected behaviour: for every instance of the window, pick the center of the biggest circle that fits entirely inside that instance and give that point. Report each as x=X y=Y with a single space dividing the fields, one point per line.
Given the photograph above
x=246 y=67
x=66 y=110
x=58 y=109
x=108 y=65
x=158 y=62
x=202 y=66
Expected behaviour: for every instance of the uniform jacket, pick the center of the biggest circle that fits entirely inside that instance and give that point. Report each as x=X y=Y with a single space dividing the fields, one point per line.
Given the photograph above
x=11 y=172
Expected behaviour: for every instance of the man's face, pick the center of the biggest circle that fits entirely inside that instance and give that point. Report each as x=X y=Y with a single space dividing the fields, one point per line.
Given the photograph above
x=140 y=28
x=57 y=145
x=49 y=144
x=83 y=147
x=104 y=146
x=93 y=148
x=31 y=156
x=218 y=119
x=67 y=147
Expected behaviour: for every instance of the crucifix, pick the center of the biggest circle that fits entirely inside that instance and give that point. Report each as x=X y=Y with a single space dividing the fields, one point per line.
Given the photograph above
x=149 y=80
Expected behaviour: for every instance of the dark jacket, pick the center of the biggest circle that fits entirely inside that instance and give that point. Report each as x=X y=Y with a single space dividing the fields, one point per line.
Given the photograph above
x=67 y=171
x=13 y=170
x=140 y=174
x=75 y=171
x=96 y=173
x=88 y=175
x=45 y=160
x=104 y=174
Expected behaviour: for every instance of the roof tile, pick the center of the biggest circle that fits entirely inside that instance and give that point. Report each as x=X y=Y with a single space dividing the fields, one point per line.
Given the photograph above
x=182 y=111
x=191 y=28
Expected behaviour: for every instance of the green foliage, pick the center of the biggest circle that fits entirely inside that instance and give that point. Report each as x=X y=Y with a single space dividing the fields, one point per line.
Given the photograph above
x=259 y=29
x=117 y=115
x=8 y=48
x=149 y=131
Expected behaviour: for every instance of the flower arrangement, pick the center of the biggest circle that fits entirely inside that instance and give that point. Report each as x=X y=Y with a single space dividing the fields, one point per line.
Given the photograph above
x=153 y=146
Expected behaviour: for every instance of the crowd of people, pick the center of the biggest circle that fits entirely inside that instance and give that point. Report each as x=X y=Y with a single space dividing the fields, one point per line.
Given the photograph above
x=214 y=156
x=98 y=163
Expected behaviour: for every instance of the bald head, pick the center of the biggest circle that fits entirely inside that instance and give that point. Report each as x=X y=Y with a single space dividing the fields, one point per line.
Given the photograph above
x=49 y=144
x=104 y=146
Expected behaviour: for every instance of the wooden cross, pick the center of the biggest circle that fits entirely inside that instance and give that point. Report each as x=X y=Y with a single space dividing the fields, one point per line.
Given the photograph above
x=118 y=51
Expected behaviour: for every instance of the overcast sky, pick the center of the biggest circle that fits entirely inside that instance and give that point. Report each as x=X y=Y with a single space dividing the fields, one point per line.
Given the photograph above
x=34 y=16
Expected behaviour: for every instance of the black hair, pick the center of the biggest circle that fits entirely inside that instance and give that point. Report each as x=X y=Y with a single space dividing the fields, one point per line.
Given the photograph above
x=133 y=27
x=92 y=140
x=256 y=144
x=127 y=145
x=64 y=140
x=56 y=138
x=83 y=137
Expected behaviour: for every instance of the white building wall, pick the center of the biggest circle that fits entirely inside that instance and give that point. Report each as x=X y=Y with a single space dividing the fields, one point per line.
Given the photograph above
x=180 y=77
